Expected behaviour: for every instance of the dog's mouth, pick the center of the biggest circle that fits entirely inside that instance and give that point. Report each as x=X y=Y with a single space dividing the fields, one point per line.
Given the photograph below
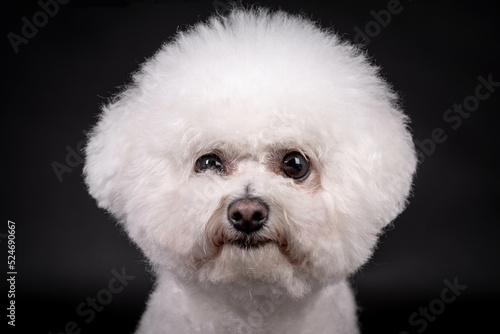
x=248 y=243
x=254 y=243
x=222 y=236
x=228 y=237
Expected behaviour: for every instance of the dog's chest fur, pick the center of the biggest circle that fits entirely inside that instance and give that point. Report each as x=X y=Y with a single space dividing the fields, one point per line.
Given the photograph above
x=176 y=307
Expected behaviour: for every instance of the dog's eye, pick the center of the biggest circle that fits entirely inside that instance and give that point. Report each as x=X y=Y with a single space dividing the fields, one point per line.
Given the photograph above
x=209 y=161
x=296 y=166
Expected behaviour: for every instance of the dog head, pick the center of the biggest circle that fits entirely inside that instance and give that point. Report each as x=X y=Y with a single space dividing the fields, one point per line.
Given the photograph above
x=255 y=147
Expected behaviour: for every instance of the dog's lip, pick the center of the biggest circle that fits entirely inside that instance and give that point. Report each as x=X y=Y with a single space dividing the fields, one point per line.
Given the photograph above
x=254 y=241
x=249 y=243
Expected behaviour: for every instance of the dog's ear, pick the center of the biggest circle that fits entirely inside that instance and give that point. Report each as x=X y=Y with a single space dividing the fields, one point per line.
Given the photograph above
x=106 y=157
x=370 y=171
x=390 y=169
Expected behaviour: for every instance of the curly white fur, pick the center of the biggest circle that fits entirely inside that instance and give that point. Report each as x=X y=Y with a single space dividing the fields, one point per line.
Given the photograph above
x=250 y=87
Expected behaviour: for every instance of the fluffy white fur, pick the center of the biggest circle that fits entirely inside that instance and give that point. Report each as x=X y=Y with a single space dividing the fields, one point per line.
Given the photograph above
x=250 y=87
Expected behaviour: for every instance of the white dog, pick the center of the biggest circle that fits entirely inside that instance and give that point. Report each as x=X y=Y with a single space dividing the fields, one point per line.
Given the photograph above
x=254 y=160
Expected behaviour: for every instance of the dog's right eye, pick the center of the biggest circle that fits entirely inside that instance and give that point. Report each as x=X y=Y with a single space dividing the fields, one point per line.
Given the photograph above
x=209 y=161
x=296 y=166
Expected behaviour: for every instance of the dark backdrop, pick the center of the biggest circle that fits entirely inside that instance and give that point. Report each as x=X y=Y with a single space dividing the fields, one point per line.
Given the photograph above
x=67 y=250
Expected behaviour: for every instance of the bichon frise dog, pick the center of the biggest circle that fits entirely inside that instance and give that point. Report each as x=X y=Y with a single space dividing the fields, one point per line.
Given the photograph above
x=254 y=160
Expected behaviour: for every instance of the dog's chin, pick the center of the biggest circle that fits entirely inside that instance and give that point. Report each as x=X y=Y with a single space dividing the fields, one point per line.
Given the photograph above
x=247 y=263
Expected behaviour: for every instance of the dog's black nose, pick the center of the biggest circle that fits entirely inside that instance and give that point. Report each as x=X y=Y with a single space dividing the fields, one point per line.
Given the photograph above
x=247 y=215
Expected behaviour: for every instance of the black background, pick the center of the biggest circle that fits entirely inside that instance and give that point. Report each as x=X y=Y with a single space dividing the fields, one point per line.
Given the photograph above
x=66 y=248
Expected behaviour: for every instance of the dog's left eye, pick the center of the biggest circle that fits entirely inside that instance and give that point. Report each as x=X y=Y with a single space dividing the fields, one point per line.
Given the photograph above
x=296 y=166
x=209 y=161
